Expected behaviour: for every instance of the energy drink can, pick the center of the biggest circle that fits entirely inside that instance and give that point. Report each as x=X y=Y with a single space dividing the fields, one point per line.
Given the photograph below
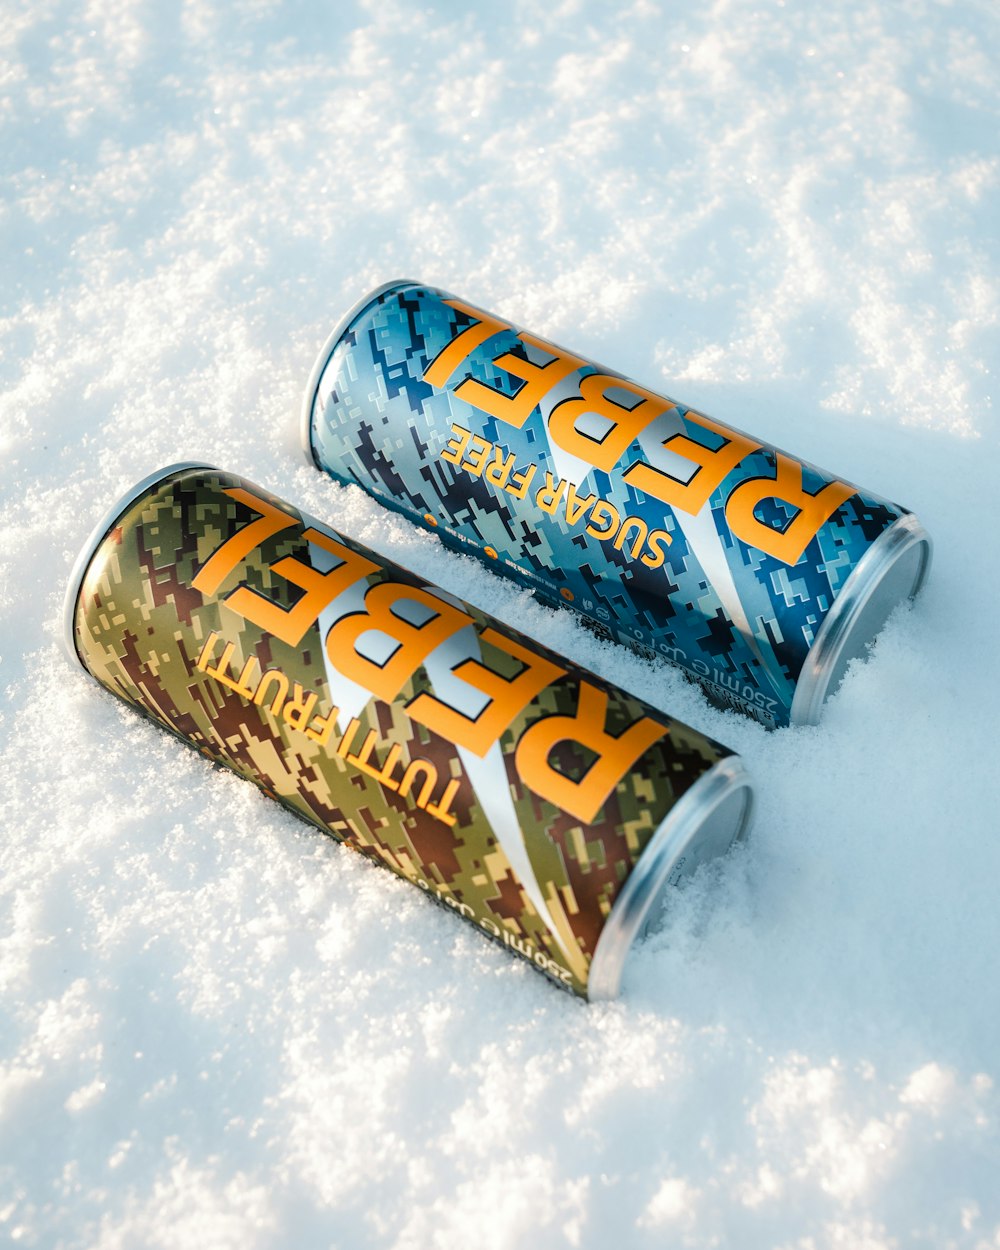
x=542 y=804
x=758 y=573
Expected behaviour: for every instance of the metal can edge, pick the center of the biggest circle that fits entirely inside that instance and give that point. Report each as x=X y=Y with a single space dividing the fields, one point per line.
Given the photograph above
x=841 y=630
x=325 y=352
x=651 y=875
x=106 y=523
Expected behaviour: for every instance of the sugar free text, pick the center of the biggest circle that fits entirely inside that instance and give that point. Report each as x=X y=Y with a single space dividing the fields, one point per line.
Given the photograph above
x=713 y=450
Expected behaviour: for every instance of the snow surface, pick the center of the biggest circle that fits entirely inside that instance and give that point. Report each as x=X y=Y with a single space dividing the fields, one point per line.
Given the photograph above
x=219 y=1030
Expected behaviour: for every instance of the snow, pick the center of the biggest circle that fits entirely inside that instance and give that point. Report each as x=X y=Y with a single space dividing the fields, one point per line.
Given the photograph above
x=220 y=1030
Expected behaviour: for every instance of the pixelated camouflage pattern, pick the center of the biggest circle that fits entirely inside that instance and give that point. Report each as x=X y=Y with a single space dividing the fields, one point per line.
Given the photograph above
x=744 y=634
x=140 y=628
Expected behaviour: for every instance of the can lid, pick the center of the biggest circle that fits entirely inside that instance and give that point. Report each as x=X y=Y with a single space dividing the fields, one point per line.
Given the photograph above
x=892 y=569
x=97 y=534
x=703 y=824
x=326 y=351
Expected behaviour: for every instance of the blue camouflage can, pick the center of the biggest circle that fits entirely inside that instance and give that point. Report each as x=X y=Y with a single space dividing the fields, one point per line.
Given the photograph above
x=758 y=573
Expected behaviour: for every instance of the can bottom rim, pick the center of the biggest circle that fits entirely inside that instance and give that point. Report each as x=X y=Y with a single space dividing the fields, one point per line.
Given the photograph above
x=711 y=817
x=892 y=570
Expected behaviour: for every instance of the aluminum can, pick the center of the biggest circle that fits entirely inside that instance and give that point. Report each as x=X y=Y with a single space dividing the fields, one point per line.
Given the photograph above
x=545 y=806
x=761 y=575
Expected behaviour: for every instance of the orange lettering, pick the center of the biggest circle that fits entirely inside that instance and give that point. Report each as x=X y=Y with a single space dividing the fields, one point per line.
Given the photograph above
x=276 y=676
x=655 y=556
x=547 y=497
x=454 y=449
x=520 y=482
x=641 y=530
x=583 y=799
x=413 y=771
x=464 y=343
x=575 y=506
x=499 y=470
x=538 y=381
x=292 y=624
x=713 y=465
x=626 y=423
x=442 y=810
x=299 y=708
x=414 y=642
x=813 y=510
x=224 y=559
x=475 y=458
x=321 y=727
x=508 y=696
x=603 y=511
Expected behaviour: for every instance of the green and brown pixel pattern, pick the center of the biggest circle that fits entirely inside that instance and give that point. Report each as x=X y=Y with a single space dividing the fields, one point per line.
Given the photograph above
x=371 y=776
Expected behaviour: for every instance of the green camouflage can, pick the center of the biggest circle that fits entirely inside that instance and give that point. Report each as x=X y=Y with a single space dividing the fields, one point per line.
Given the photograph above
x=544 y=805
